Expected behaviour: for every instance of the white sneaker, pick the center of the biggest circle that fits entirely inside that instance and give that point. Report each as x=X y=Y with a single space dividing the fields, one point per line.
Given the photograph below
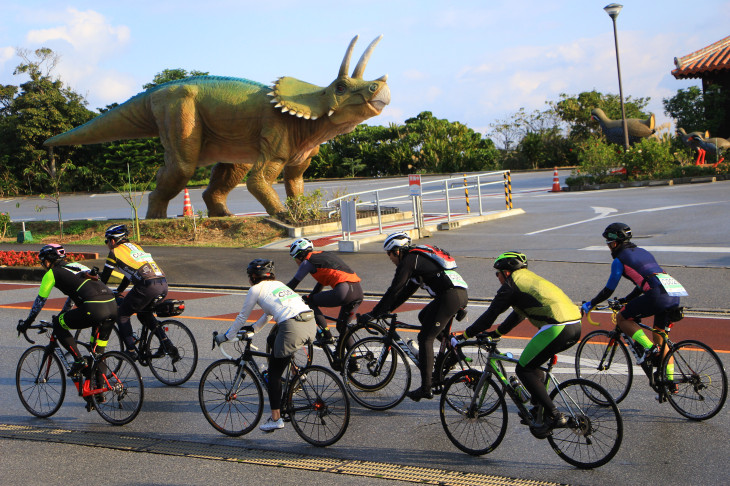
x=271 y=425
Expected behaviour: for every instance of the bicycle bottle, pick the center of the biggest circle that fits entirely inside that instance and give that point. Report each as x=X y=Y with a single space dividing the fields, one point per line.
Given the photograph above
x=522 y=393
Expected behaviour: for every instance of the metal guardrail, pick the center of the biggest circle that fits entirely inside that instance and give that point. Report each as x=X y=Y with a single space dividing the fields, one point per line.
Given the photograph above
x=440 y=186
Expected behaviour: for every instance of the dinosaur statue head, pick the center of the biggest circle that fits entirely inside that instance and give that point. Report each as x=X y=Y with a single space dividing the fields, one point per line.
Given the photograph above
x=347 y=100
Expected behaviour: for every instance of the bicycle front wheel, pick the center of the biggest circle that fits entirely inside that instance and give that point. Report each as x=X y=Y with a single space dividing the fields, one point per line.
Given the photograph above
x=602 y=357
x=230 y=397
x=172 y=360
x=117 y=388
x=41 y=381
x=83 y=337
x=697 y=385
x=376 y=374
x=355 y=333
x=594 y=431
x=475 y=420
x=318 y=406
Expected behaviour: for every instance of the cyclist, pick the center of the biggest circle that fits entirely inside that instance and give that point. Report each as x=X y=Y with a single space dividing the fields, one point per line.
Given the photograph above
x=547 y=308
x=328 y=270
x=656 y=293
x=149 y=285
x=415 y=270
x=95 y=304
x=295 y=326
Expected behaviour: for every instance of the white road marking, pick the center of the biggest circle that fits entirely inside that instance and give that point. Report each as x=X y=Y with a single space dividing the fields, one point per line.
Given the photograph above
x=676 y=249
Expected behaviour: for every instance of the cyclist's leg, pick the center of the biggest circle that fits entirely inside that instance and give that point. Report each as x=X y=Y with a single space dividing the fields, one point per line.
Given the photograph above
x=63 y=323
x=136 y=301
x=350 y=302
x=549 y=341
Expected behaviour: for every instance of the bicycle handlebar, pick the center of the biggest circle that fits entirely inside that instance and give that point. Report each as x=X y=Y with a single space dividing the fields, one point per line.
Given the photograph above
x=246 y=335
x=614 y=305
x=42 y=328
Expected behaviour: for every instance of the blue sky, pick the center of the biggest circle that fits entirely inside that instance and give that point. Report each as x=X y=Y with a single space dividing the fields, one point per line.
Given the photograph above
x=476 y=62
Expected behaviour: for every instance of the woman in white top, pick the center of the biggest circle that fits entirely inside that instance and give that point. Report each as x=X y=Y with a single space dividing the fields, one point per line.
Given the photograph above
x=295 y=325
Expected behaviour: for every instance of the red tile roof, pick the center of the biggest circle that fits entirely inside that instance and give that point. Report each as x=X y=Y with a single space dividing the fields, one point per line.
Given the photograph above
x=715 y=57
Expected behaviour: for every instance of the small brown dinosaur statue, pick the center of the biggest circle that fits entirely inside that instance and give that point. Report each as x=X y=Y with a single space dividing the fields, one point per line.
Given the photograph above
x=614 y=131
x=241 y=126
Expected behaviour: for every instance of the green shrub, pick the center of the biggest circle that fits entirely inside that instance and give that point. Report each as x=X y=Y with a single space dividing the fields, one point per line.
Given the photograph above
x=649 y=159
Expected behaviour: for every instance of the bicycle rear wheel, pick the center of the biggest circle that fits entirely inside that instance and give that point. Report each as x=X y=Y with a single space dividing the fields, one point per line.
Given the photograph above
x=594 y=431
x=230 y=397
x=172 y=361
x=698 y=386
x=472 y=356
x=602 y=357
x=123 y=391
x=376 y=374
x=83 y=337
x=356 y=333
x=41 y=381
x=318 y=406
x=479 y=428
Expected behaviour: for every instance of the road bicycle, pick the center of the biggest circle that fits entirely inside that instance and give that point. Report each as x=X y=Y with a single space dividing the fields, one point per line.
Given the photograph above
x=379 y=376
x=688 y=374
x=168 y=348
x=232 y=399
x=110 y=384
x=473 y=412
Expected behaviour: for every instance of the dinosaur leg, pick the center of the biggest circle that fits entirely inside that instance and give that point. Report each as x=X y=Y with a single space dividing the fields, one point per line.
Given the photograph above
x=223 y=179
x=294 y=175
x=262 y=176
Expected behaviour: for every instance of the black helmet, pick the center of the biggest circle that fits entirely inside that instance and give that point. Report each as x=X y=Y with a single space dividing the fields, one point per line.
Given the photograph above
x=619 y=232
x=260 y=268
x=510 y=260
x=52 y=253
x=116 y=232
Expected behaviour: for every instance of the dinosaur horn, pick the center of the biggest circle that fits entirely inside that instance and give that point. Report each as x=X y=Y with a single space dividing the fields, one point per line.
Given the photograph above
x=360 y=68
x=346 y=61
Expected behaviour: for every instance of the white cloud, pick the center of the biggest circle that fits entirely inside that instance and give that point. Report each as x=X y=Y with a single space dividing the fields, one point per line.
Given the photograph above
x=6 y=53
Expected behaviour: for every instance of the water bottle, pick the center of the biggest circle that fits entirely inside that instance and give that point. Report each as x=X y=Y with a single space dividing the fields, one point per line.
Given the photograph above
x=413 y=345
x=519 y=389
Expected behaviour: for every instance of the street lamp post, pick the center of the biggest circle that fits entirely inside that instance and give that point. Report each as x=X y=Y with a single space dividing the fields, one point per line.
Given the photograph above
x=613 y=10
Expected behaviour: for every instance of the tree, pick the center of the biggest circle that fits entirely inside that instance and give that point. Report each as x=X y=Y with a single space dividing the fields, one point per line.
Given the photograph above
x=696 y=111
x=168 y=75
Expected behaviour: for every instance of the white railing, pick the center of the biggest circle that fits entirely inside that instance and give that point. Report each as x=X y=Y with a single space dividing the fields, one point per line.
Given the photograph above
x=465 y=182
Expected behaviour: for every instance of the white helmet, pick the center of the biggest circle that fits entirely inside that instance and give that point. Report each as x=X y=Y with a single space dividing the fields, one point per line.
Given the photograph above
x=300 y=247
x=396 y=240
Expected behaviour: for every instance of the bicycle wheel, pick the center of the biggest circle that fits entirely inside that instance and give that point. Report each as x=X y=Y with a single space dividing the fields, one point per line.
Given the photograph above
x=602 y=358
x=594 y=431
x=172 y=361
x=230 y=397
x=318 y=406
x=699 y=381
x=479 y=428
x=377 y=374
x=123 y=390
x=356 y=333
x=83 y=337
x=472 y=356
x=41 y=381
x=302 y=357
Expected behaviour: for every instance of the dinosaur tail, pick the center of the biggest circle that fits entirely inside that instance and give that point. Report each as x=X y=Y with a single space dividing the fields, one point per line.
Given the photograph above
x=132 y=119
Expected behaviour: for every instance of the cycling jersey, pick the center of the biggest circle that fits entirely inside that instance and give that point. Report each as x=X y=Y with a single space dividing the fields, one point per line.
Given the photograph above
x=327 y=269
x=133 y=262
x=531 y=297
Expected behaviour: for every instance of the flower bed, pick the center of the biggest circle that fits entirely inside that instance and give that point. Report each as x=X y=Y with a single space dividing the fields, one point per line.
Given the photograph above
x=12 y=258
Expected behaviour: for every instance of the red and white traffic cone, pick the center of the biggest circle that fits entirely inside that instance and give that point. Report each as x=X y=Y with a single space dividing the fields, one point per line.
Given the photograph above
x=556 y=182
x=188 y=208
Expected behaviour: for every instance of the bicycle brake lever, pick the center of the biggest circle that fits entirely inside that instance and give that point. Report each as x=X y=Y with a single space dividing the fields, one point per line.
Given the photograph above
x=215 y=333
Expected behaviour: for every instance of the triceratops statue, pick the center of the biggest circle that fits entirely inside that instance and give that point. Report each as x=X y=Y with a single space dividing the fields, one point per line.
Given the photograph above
x=240 y=126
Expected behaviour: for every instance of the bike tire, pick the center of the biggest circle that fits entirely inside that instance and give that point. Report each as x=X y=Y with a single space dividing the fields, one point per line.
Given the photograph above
x=594 y=432
x=172 y=365
x=40 y=380
x=302 y=357
x=114 y=343
x=452 y=363
x=602 y=357
x=230 y=412
x=700 y=379
x=376 y=390
x=357 y=332
x=119 y=376
x=478 y=429
x=318 y=406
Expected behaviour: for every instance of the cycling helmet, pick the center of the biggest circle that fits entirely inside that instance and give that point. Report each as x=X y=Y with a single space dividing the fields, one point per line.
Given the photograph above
x=52 y=253
x=260 y=268
x=395 y=241
x=116 y=232
x=618 y=232
x=510 y=260
x=300 y=247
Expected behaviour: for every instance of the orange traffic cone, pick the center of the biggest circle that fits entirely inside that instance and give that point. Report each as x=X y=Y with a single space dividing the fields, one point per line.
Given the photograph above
x=188 y=208
x=556 y=182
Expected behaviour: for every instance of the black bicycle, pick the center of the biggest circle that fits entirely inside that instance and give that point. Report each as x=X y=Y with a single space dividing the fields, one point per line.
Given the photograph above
x=111 y=384
x=168 y=348
x=688 y=374
x=232 y=399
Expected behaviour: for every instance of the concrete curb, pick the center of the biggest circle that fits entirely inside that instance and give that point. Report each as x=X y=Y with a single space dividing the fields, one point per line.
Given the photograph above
x=650 y=183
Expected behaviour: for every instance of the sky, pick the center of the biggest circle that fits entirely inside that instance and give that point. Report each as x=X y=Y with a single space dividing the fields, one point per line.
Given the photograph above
x=476 y=62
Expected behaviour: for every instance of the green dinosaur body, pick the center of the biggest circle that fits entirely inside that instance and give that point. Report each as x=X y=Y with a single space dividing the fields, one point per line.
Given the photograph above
x=240 y=126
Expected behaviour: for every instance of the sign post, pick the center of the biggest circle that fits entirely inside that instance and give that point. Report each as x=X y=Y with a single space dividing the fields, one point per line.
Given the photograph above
x=414 y=186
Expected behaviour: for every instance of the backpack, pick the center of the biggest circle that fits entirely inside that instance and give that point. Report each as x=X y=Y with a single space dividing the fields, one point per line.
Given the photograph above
x=436 y=254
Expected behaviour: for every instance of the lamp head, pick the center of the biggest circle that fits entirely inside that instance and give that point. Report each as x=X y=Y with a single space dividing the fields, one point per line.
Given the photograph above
x=613 y=10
